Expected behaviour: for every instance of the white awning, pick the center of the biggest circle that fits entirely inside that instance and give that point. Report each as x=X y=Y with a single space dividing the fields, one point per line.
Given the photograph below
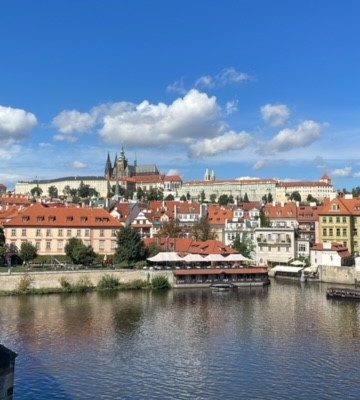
x=166 y=256
x=286 y=268
x=236 y=257
x=297 y=263
x=194 y=258
x=215 y=257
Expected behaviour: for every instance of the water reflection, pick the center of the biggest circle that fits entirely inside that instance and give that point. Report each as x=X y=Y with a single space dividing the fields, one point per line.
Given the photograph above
x=283 y=341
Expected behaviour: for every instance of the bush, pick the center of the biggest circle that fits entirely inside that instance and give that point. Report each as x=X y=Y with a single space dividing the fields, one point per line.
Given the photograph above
x=160 y=282
x=83 y=284
x=64 y=283
x=108 y=282
x=140 y=264
x=24 y=283
x=138 y=284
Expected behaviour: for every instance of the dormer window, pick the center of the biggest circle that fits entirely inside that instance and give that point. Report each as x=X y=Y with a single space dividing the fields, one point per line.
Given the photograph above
x=40 y=218
x=83 y=219
x=69 y=219
x=51 y=218
x=25 y=219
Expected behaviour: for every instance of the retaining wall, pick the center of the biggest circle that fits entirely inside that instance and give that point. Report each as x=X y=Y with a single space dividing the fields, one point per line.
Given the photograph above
x=340 y=275
x=51 y=279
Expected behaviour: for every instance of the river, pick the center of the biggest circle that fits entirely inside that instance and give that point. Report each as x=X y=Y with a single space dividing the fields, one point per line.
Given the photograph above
x=286 y=341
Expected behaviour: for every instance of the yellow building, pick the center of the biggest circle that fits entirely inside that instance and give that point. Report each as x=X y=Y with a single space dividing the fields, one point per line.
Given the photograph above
x=339 y=222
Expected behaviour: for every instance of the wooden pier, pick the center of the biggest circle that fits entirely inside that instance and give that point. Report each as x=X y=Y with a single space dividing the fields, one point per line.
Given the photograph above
x=343 y=293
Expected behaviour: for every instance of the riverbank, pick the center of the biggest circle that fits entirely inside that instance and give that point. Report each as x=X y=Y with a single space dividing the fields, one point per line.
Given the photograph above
x=77 y=281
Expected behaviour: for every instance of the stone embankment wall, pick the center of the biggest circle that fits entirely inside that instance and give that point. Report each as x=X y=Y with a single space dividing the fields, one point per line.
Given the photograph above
x=340 y=275
x=51 y=279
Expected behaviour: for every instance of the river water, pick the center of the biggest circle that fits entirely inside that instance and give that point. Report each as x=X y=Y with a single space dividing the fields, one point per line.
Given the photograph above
x=285 y=341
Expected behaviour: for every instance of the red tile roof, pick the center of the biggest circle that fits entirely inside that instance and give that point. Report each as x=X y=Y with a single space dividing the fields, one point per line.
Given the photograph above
x=184 y=245
x=341 y=206
x=38 y=215
x=277 y=211
x=15 y=200
x=154 y=178
x=218 y=215
x=338 y=247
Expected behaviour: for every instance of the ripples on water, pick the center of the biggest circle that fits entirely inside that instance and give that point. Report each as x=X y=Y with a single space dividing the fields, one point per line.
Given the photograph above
x=283 y=342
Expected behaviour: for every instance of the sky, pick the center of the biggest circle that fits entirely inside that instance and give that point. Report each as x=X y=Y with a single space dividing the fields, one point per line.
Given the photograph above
x=266 y=89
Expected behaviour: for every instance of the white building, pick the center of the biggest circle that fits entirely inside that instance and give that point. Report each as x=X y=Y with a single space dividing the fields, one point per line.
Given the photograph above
x=331 y=255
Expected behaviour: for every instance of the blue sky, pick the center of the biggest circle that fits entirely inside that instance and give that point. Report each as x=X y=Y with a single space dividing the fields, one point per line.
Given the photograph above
x=247 y=88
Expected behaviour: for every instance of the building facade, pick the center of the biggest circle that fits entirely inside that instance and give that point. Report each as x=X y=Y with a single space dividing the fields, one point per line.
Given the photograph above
x=50 y=228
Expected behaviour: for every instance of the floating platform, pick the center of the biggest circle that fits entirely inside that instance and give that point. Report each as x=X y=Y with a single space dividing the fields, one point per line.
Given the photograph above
x=343 y=293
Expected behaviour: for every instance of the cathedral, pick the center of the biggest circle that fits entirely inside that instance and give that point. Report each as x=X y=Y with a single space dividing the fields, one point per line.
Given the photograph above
x=121 y=168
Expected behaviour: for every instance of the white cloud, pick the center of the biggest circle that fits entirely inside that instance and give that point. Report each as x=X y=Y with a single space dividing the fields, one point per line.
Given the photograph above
x=177 y=87
x=219 y=144
x=79 y=165
x=345 y=172
x=231 y=107
x=275 y=114
x=147 y=124
x=306 y=133
x=72 y=122
x=260 y=164
x=227 y=76
x=173 y=172
x=9 y=151
x=245 y=178
x=15 y=123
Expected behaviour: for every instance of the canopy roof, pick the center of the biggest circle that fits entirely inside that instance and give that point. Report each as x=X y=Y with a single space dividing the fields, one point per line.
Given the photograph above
x=286 y=268
x=236 y=257
x=194 y=258
x=166 y=256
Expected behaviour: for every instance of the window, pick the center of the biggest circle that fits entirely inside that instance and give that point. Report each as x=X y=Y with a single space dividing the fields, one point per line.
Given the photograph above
x=330 y=231
x=330 y=219
x=324 y=219
x=13 y=232
x=48 y=245
x=60 y=245
x=344 y=220
x=23 y=232
x=68 y=233
x=37 y=245
x=355 y=231
x=344 y=232
x=338 y=219
x=302 y=247
x=113 y=232
x=78 y=232
x=60 y=232
x=338 y=232
x=38 y=232
x=87 y=232
x=48 y=232
x=101 y=232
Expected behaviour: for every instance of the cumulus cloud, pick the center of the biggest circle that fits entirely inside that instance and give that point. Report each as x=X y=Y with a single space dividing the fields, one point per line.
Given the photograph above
x=9 y=151
x=15 y=124
x=227 y=76
x=145 y=124
x=72 y=122
x=306 y=133
x=219 y=144
x=345 y=172
x=275 y=114
x=79 y=165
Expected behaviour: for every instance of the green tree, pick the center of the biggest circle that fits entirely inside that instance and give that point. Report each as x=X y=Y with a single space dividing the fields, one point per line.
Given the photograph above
x=311 y=199
x=244 y=245
x=79 y=253
x=130 y=247
x=264 y=220
x=223 y=200
x=53 y=192
x=140 y=194
x=202 y=230
x=183 y=198
x=170 y=229
x=2 y=237
x=169 y=197
x=246 y=198
x=356 y=191
x=213 y=198
x=27 y=251
x=231 y=199
x=270 y=198
x=295 y=196
x=202 y=196
x=153 y=249
x=154 y=194
x=188 y=197
x=36 y=191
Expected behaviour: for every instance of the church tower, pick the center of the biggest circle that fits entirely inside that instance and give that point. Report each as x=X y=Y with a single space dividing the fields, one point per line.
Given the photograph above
x=122 y=164
x=108 y=167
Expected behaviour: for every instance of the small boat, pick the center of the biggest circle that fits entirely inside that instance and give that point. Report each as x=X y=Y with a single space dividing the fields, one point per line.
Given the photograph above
x=343 y=293
x=222 y=287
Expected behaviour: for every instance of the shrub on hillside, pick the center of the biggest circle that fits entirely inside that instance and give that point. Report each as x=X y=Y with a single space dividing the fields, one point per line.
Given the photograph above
x=160 y=282
x=108 y=282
